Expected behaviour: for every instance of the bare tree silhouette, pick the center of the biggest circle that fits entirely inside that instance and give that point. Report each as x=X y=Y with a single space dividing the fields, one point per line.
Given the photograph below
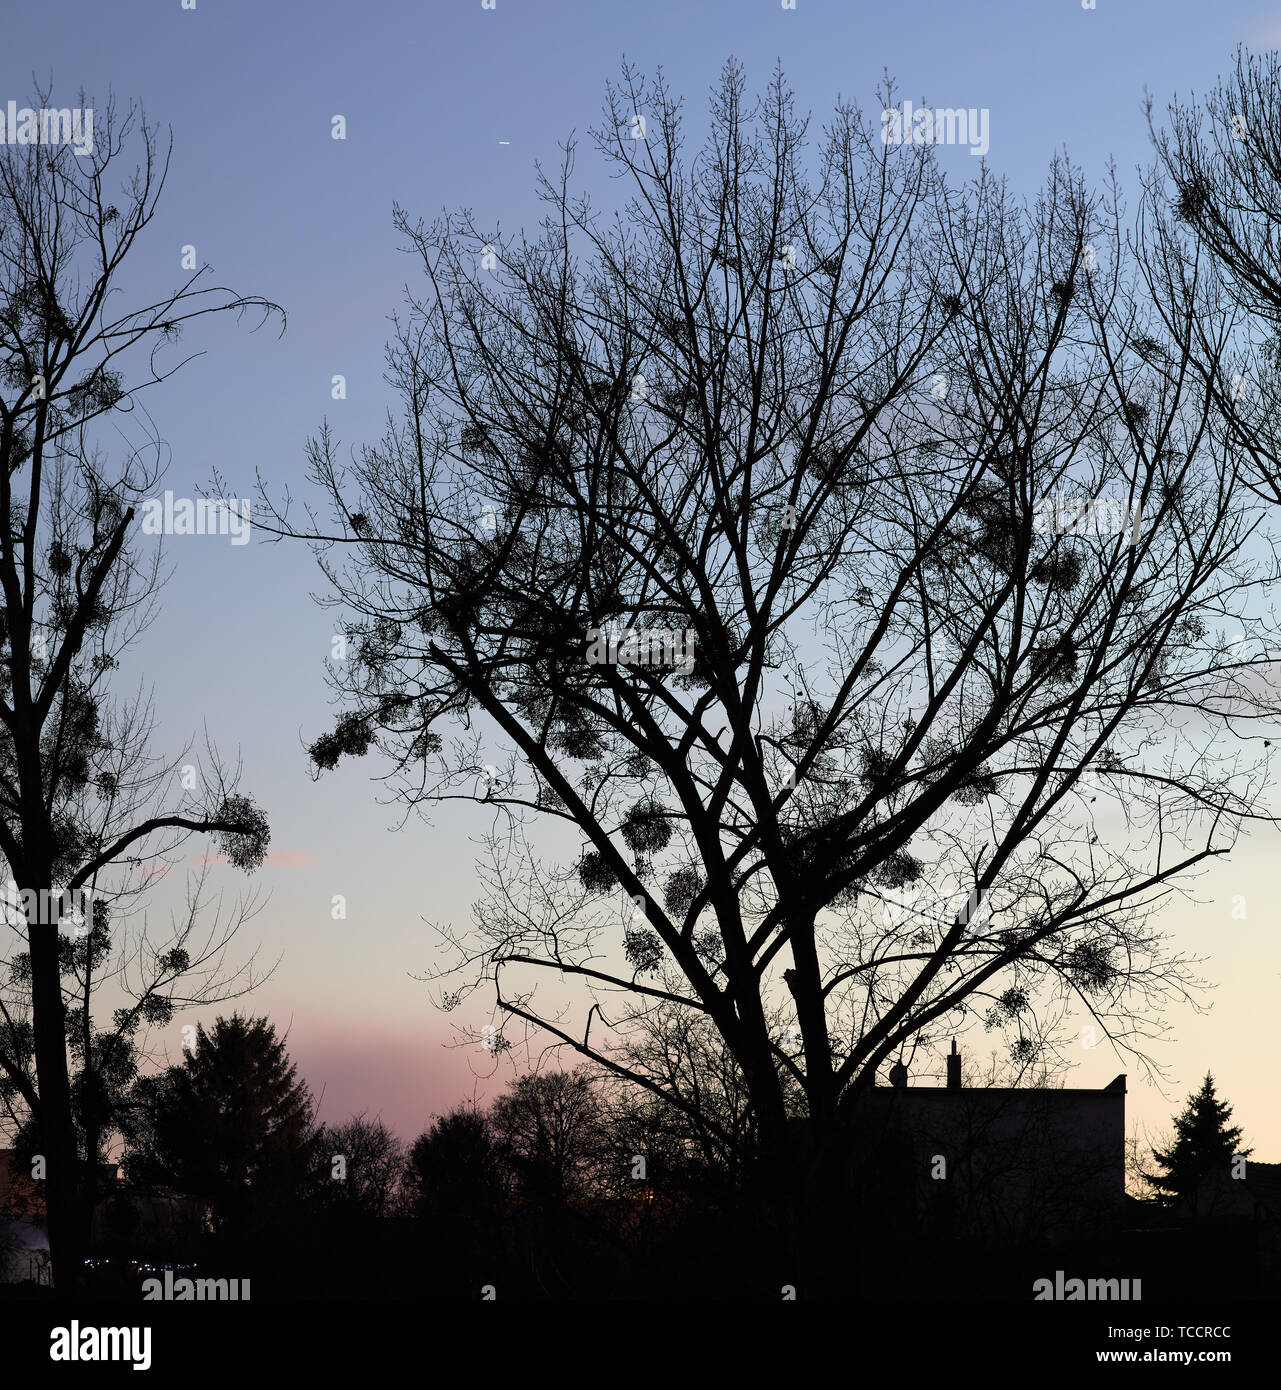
x=927 y=490
x=81 y=801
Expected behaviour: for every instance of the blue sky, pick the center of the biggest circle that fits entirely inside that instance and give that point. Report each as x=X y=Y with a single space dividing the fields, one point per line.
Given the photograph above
x=429 y=92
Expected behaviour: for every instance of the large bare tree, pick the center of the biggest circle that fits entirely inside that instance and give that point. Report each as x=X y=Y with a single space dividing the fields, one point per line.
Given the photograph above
x=83 y=805
x=1210 y=243
x=943 y=536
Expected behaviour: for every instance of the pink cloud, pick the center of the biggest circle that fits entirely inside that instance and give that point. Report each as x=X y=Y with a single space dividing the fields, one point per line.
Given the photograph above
x=281 y=859
x=291 y=859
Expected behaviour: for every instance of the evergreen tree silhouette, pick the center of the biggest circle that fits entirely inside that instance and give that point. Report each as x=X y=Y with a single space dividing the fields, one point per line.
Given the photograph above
x=231 y=1123
x=1204 y=1142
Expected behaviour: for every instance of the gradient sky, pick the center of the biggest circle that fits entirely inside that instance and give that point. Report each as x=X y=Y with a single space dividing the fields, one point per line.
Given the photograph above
x=430 y=91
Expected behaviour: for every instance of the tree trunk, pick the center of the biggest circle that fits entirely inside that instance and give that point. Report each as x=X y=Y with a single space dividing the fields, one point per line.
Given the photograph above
x=57 y=1132
x=812 y=1196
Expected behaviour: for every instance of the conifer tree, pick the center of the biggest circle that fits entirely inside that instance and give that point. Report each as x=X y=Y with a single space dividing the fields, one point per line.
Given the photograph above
x=232 y=1123
x=1204 y=1143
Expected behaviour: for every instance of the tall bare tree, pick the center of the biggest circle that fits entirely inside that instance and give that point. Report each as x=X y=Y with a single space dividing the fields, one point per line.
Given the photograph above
x=1210 y=243
x=368 y=1182
x=547 y=1125
x=81 y=803
x=1222 y=156
x=940 y=531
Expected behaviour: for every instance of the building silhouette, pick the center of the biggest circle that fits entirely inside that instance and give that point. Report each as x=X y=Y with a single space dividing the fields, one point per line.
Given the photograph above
x=994 y=1164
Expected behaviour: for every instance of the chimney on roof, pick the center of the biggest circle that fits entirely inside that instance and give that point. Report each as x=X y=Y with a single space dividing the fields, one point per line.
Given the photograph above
x=954 y=1069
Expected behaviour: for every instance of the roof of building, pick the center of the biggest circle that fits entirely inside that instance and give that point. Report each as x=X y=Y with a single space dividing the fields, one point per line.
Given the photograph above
x=1114 y=1087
